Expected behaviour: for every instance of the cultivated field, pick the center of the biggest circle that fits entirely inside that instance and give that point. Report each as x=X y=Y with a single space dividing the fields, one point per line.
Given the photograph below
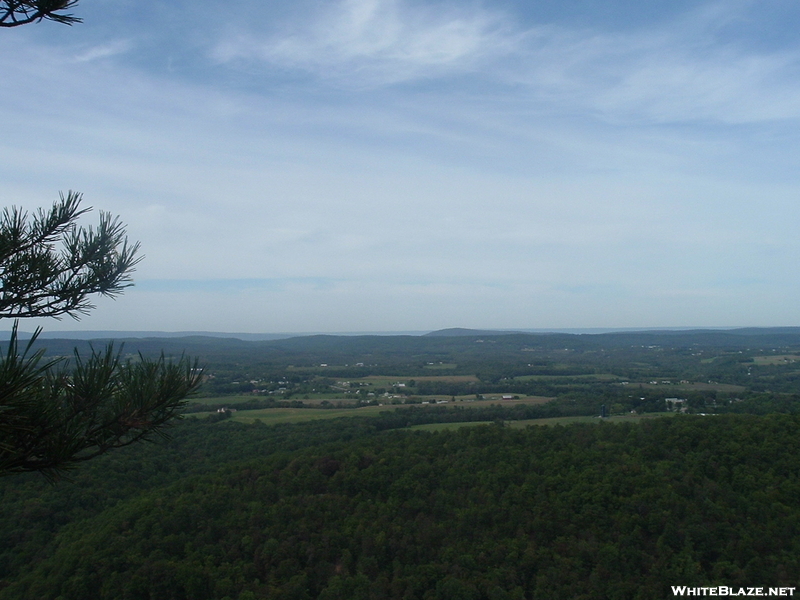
x=781 y=359
x=297 y=415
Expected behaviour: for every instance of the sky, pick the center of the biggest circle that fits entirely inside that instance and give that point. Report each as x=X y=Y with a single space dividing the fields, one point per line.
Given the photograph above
x=393 y=165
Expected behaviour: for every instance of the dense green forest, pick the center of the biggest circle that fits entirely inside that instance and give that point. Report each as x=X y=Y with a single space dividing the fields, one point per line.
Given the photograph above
x=340 y=509
x=370 y=507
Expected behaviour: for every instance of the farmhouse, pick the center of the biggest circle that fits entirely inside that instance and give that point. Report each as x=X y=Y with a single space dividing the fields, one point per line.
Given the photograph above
x=676 y=404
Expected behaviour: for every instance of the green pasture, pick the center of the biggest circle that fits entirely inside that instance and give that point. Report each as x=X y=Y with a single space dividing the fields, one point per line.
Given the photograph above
x=296 y=415
x=779 y=359
x=272 y=416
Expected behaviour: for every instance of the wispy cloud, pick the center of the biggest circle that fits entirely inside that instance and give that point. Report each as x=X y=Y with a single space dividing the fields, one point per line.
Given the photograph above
x=666 y=75
x=379 y=41
x=695 y=68
x=689 y=69
x=101 y=51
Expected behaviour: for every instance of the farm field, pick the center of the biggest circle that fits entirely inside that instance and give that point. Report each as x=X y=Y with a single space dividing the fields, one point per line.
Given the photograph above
x=299 y=415
x=780 y=359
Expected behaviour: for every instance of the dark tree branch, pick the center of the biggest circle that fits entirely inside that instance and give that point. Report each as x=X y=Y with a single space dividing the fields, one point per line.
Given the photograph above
x=14 y=13
x=51 y=419
x=39 y=280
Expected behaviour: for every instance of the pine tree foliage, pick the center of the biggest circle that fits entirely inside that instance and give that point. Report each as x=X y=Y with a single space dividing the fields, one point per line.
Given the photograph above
x=21 y=12
x=40 y=279
x=51 y=416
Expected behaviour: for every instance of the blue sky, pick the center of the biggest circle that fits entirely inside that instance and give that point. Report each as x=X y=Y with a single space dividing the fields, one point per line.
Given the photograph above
x=387 y=165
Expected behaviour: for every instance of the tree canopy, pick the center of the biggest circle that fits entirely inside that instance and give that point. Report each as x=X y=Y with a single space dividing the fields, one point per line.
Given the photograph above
x=334 y=509
x=52 y=418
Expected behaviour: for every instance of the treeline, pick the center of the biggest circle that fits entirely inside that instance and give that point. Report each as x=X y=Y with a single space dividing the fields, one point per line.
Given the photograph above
x=244 y=512
x=762 y=404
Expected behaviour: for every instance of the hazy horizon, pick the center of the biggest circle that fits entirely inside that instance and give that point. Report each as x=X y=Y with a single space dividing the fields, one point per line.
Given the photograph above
x=265 y=336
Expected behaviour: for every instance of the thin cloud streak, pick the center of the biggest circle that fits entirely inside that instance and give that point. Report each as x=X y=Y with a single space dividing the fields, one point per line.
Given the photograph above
x=679 y=72
x=102 y=51
x=380 y=42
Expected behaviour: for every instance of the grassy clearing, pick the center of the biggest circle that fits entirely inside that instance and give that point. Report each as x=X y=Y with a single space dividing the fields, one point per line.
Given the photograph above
x=782 y=359
x=298 y=415
x=271 y=416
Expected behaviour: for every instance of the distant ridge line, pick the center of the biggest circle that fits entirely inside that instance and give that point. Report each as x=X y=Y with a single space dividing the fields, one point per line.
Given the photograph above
x=448 y=332
x=461 y=331
x=117 y=335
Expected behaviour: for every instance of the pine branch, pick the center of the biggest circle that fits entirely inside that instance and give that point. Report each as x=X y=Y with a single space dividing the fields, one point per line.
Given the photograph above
x=14 y=13
x=52 y=419
x=39 y=280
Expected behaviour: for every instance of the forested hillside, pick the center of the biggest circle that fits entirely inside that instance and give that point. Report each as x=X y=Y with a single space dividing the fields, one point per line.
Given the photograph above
x=340 y=509
x=263 y=492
